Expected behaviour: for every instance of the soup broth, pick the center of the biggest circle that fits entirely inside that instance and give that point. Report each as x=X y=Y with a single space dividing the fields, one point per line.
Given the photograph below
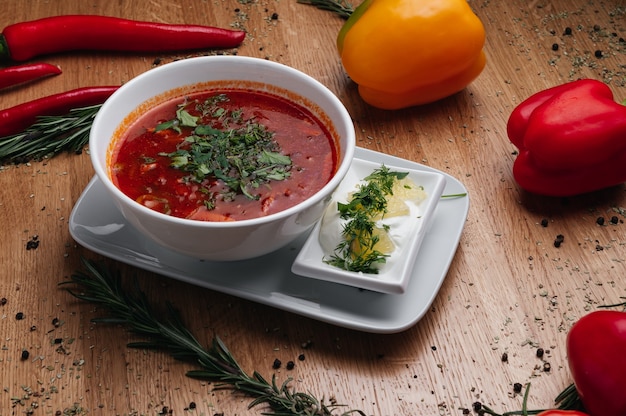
x=224 y=155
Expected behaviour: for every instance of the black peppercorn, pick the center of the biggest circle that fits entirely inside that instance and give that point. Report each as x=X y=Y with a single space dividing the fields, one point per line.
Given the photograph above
x=600 y=220
x=25 y=355
x=544 y=222
x=555 y=46
x=477 y=406
x=517 y=387
x=274 y=16
x=505 y=357
x=540 y=352
x=568 y=31
x=559 y=239
x=614 y=219
x=276 y=364
x=33 y=243
x=301 y=357
x=598 y=54
x=19 y=316
x=290 y=365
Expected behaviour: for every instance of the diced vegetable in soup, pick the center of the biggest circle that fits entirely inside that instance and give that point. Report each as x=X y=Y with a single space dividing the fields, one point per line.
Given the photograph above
x=224 y=155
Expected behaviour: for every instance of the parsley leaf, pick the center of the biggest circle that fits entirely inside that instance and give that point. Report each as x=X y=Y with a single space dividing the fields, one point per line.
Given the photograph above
x=223 y=145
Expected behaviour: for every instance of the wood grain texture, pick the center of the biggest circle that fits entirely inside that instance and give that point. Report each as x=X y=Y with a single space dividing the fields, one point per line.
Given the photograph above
x=509 y=289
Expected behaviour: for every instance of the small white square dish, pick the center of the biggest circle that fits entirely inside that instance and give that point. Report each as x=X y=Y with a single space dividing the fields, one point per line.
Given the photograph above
x=406 y=231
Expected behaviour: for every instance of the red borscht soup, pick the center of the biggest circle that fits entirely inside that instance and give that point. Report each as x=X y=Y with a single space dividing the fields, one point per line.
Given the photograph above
x=224 y=155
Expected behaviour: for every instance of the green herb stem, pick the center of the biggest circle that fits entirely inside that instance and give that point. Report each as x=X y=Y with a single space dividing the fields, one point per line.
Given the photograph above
x=450 y=196
x=615 y=305
x=341 y=8
x=568 y=399
x=100 y=286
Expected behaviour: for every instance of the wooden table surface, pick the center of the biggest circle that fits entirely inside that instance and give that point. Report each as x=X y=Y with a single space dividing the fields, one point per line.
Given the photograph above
x=508 y=290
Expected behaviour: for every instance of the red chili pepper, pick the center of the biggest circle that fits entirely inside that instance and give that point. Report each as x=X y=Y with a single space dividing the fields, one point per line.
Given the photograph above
x=16 y=119
x=23 y=41
x=571 y=139
x=15 y=75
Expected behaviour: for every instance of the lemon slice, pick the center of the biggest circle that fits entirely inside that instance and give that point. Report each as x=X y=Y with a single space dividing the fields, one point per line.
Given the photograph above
x=403 y=190
x=384 y=244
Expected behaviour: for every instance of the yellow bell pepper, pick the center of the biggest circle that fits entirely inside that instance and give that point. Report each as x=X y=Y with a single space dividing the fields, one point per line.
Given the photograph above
x=403 y=53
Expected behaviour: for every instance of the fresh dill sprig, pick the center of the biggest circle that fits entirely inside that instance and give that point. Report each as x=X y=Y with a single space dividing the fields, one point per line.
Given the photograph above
x=357 y=250
x=103 y=287
x=49 y=136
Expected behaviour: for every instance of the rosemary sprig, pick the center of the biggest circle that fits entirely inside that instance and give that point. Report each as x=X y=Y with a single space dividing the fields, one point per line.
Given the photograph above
x=568 y=399
x=101 y=286
x=49 y=136
x=340 y=7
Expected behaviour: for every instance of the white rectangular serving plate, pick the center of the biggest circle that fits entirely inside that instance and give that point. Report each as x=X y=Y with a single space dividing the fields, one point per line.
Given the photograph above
x=97 y=225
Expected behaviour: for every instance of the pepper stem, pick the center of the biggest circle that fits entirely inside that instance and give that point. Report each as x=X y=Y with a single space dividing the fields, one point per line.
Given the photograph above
x=5 y=54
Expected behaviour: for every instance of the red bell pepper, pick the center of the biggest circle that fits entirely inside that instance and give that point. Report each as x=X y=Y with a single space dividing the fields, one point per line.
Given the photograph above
x=571 y=139
x=596 y=346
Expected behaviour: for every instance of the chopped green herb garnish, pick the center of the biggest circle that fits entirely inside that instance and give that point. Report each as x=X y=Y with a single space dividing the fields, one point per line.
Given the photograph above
x=240 y=152
x=357 y=251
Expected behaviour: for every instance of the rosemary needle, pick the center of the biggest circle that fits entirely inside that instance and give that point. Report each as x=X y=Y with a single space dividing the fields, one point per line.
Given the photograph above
x=340 y=7
x=103 y=287
x=49 y=136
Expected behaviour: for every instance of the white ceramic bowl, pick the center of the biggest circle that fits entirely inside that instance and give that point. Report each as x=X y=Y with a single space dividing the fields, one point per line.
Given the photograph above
x=219 y=241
